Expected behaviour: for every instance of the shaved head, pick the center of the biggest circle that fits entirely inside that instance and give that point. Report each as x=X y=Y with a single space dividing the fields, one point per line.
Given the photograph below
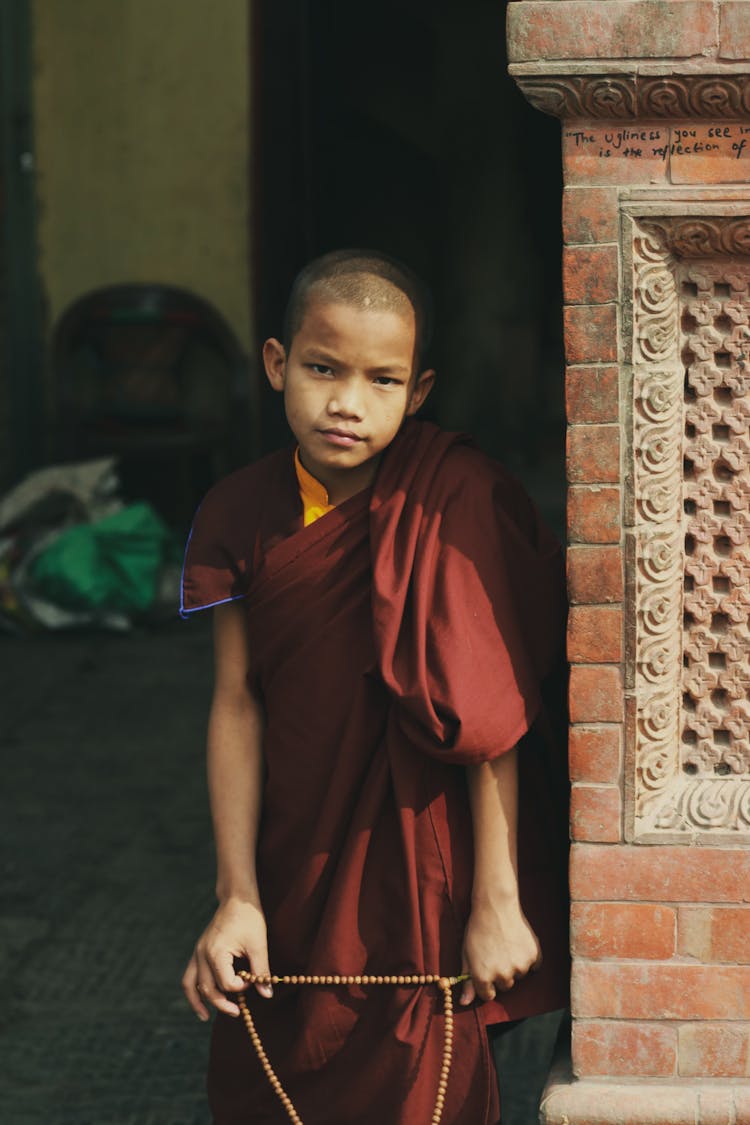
x=364 y=279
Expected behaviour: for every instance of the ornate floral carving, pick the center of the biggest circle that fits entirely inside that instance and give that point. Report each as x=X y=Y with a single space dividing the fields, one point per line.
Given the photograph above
x=705 y=237
x=618 y=96
x=664 y=97
x=607 y=96
x=657 y=443
x=611 y=97
x=691 y=443
x=656 y=323
x=718 y=96
x=556 y=96
x=708 y=806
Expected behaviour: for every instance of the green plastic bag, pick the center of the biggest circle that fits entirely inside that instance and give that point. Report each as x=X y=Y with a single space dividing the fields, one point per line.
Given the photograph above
x=113 y=564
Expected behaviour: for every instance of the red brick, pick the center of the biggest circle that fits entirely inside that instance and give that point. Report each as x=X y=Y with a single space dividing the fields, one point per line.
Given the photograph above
x=638 y=930
x=593 y=454
x=596 y=813
x=615 y=1048
x=628 y=152
x=594 y=754
x=730 y=935
x=709 y=153
x=734 y=30
x=595 y=634
x=592 y=394
x=594 y=514
x=716 y=1050
x=595 y=574
x=659 y=873
x=590 y=333
x=595 y=693
x=719 y=933
x=590 y=214
x=590 y=275
x=619 y=29
x=654 y=990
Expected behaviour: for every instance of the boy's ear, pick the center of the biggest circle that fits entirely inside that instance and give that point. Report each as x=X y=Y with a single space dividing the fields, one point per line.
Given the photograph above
x=274 y=361
x=422 y=387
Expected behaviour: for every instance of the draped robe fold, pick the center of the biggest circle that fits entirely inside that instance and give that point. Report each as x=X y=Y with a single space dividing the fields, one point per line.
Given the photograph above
x=403 y=635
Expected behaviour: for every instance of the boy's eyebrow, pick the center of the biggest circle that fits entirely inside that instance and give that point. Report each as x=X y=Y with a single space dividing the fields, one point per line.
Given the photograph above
x=389 y=367
x=315 y=355
x=318 y=356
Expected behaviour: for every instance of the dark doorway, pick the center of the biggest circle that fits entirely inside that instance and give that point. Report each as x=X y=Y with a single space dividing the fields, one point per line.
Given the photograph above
x=396 y=126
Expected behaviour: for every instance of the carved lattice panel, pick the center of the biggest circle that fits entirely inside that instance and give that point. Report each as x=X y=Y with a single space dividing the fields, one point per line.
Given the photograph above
x=690 y=670
x=715 y=300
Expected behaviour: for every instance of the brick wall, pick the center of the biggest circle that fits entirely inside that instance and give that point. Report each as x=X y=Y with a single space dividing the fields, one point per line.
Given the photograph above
x=661 y=983
x=655 y=107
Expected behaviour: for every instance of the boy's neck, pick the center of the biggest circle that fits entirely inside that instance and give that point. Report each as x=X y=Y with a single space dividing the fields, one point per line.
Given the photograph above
x=342 y=484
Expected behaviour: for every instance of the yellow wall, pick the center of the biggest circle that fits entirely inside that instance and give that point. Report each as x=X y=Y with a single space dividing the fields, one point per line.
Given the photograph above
x=142 y=135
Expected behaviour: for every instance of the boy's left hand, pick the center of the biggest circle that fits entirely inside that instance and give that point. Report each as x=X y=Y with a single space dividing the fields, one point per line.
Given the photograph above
x=500 y=948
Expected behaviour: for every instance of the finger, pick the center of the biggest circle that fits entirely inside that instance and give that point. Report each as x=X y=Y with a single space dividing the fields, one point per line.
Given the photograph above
x=259 y=965
x=468 y=993
x=485 y=990
x=210 y=991
x=192 y=995
x=213 y=995
x=221 y=964
x=505 y=982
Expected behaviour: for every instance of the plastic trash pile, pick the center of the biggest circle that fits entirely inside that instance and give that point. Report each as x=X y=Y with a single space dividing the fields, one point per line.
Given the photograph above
x=73 y=554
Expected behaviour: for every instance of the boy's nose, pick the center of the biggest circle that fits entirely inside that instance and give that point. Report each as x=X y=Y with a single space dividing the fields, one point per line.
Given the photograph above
x=346 y=402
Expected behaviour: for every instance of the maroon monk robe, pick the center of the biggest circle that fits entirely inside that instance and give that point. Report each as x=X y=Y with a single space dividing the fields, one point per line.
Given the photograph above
x=397 y=638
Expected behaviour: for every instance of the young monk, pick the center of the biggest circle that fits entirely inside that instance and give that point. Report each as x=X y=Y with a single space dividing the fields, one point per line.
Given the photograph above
x=386 y=609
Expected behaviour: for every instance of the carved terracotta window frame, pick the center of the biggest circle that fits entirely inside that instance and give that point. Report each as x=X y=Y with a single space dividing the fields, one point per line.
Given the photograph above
x=620 y=97
x=661 y=236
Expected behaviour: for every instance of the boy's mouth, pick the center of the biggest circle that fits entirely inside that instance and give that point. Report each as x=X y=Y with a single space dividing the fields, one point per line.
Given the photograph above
x=344 y=438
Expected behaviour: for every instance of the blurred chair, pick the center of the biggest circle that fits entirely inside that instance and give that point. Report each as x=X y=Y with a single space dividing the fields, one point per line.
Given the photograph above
x=154 y=376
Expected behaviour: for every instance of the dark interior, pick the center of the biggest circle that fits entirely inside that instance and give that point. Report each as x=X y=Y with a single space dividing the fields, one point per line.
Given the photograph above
x=397 y=127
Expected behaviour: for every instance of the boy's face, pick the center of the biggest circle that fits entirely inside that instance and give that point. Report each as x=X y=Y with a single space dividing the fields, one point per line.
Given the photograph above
x=348 y=385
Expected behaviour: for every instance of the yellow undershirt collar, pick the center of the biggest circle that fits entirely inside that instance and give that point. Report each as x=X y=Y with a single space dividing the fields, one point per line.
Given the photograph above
x=314 y=496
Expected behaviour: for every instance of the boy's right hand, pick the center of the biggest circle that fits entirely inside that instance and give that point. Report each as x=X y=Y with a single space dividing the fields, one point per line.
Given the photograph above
x=237 y=929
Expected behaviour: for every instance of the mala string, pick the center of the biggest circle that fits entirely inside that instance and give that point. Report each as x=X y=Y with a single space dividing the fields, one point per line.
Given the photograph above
x=445 y=984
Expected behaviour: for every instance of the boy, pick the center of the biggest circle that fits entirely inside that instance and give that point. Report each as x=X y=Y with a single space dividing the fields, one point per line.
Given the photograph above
x=386 y=609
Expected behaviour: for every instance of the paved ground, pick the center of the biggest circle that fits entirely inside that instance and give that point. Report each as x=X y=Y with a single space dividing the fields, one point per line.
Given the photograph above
x=106 y=877
x=109 y=873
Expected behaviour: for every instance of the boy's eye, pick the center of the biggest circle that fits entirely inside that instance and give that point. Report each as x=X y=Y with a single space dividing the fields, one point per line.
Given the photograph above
x=386 y=381
x=321 y=369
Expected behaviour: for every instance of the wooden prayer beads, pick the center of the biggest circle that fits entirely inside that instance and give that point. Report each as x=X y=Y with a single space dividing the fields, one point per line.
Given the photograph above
x=445 y=984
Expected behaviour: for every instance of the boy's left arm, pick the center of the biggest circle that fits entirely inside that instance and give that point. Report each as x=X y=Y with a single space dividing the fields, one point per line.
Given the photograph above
x=500 y=946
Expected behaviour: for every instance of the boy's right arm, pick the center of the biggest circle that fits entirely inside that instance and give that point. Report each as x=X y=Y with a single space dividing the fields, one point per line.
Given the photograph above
x=235 y=776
